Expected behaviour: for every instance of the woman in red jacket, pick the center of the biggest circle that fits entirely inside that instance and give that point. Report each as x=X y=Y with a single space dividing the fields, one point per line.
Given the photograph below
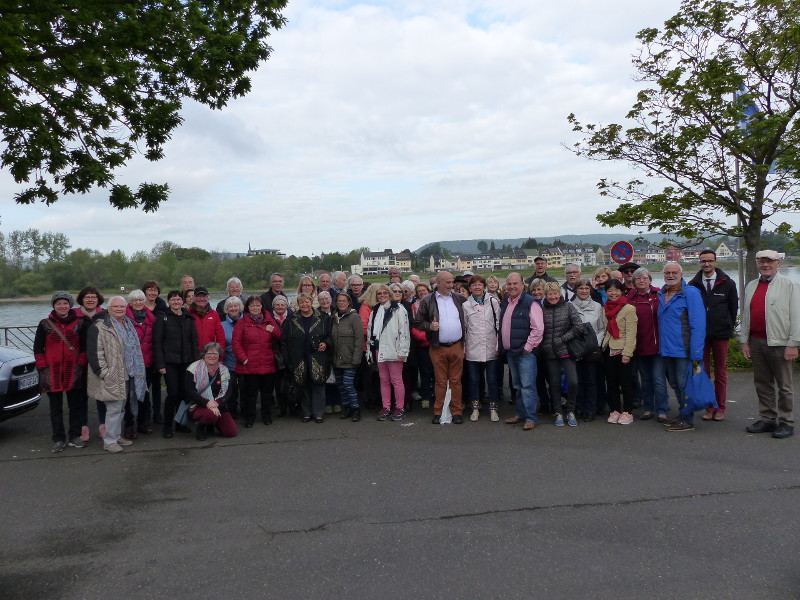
x=253 y=338
x=60 y=351
x=143 y=321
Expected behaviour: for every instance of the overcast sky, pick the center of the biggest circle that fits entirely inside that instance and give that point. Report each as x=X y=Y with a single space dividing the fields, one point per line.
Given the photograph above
x=388 y=124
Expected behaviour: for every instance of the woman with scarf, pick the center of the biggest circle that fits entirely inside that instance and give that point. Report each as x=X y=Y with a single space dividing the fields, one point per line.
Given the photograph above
x=156 y=305
x=348 y=348
x=590 y=311
x=388 y=336
x=619 y=345
x=207 y=383
x=174 y=348
x=254 y=339
x=137 y=419
x=232 y=309
x=306 y=339
x=482 y=316
x=283 y=388
x=89 y=300
x=561 y=324
x=60 y=351
x=117 y=369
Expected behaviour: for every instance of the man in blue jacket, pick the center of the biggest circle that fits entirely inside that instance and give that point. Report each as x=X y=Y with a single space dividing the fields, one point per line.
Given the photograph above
x=681 y=336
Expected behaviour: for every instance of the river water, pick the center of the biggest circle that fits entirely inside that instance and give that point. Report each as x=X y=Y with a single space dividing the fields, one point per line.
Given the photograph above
x=28 y=314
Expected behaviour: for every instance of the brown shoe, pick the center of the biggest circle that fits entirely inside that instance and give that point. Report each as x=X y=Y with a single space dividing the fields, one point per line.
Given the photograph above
x=514 y=420
x=528 y=426
x=709 y=416
x=719 y=416
x=130 y=433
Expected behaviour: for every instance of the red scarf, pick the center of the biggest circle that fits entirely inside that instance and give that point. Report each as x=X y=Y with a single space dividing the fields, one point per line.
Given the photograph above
x=613 y=307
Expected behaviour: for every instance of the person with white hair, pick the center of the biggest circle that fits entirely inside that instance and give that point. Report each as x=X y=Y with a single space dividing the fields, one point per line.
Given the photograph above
x=234 y=307
x=138 y=418
x=235 y=288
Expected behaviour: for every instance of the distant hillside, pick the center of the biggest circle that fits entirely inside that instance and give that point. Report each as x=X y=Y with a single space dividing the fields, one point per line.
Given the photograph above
x=604 y=239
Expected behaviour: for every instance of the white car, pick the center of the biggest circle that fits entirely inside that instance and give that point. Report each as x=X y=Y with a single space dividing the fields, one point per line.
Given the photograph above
x=19 y=383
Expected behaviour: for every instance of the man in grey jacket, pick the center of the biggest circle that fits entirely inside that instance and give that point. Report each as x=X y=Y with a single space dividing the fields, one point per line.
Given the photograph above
x=770 y=336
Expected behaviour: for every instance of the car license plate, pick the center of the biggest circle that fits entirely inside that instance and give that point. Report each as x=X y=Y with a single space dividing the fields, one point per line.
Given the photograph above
x=28 y=381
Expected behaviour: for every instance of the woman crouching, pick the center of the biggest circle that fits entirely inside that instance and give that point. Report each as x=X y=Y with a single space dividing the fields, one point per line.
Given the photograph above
x=207 y=383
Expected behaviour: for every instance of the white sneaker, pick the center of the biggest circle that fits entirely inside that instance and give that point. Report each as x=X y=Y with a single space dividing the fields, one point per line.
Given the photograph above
x=625 y=418
x=124 y=442
x=494 y=416
x=425 y=404
x=614 y=417
x=113 y=448
x=475 y=414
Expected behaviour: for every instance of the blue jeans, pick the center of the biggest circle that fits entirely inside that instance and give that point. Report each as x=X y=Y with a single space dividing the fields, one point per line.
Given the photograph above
x=654 y=386
x=675 y=371
x=474 y=369
x=523 y=374
x=347 y=389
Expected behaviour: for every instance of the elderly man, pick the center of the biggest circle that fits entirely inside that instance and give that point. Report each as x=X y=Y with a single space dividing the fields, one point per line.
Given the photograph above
x=234 y=287
x=441 y=316
x=722 y=305
x=521 y=329
x=770 y=336
x=355 y=287
x=539 y=271
x=187 y=283
x=275 y=289
x=325 y=283
x=573 y=274
x=681 y=337
x=394 y=275
x=339 y=284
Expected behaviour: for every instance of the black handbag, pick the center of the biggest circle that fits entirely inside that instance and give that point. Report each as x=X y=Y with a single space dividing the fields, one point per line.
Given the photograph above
x=584 y=344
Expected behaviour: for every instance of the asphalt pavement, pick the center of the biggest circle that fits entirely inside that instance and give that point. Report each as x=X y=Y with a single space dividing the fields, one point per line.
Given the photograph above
x=406 y=510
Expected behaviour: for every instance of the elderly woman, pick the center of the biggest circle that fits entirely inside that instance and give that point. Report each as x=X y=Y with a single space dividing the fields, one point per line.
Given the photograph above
x=619 y=345
x=305 y=286
x=410 y=372
x=325 y=302
x=493 y=287
x=347 y=336
x=388 y=338
x=174 y=348
x=234 y=287
x=421 y=347
x=117 y=369
x=233 y=309
x=255 y=339
x=561 y=324
x=482 y=316
x=153 y=300
x=306 y=340
x=207 y=383
x=60 y=351
x=137 y=418
x=648 y=362
x=89 y=300
x=590 y=312
x=536 y=289
x=283 y=387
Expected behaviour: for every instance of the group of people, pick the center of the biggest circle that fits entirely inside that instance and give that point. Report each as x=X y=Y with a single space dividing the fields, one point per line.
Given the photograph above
x=341 y=343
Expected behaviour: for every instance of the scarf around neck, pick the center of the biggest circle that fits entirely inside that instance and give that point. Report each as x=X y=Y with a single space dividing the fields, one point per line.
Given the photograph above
x=612 y=308
x=132 y=355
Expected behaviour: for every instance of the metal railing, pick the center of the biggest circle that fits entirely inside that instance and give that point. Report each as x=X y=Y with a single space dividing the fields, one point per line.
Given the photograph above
x=18 y=337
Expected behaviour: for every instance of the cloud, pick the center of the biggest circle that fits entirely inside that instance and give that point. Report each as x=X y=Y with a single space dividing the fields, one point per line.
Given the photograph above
x=388 y=124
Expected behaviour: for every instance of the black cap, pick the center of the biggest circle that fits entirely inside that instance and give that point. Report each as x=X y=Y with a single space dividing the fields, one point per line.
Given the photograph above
x=200 y=290
x=630 y=266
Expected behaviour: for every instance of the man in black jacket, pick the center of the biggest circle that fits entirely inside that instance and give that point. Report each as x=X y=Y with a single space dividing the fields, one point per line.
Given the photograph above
x=722 y=305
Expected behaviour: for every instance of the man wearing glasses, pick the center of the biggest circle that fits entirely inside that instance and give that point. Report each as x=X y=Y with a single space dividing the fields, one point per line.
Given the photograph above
x=573 y=274
x=722 y=305
x=275 y=289
x=770 y=335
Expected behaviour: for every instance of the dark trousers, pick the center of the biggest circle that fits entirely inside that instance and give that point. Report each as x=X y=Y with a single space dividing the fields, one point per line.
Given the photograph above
x=619 y=377
x=176 y=392
x=154 y=381
x=425 y=373
x=586 y=402
x=554 y=368
x=75 y=407
x=253 y=386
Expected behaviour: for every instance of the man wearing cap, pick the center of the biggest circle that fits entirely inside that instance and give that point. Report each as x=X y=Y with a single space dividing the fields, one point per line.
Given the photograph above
x=722 y=305
x=207 y=321
x=770 y=335
x=539 y=271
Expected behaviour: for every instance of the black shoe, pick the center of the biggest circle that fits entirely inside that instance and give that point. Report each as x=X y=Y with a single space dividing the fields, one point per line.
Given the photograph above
x=762 y=426
x=346 y=413
x=306 y=419
x=589 y=417
x=783 y=430
x=248 y=424
x=168 y=434
x=267 y=420
x=282 y=412
x=435 y=420
x=144 y=429
x=458 y=419
x=199 y=431
x=356 y=415
x=318 y=420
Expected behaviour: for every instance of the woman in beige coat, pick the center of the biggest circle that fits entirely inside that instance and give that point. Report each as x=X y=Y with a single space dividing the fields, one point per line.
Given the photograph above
x=618 y=347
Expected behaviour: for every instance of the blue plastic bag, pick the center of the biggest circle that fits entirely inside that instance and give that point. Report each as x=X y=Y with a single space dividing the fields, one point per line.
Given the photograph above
x=699 y=390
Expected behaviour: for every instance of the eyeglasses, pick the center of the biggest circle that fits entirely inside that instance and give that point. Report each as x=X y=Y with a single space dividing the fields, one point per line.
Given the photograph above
x=382 y=293
x=706 y=262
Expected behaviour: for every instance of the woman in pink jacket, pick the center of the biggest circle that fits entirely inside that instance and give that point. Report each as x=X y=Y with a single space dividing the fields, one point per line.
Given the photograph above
x=254 y=337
